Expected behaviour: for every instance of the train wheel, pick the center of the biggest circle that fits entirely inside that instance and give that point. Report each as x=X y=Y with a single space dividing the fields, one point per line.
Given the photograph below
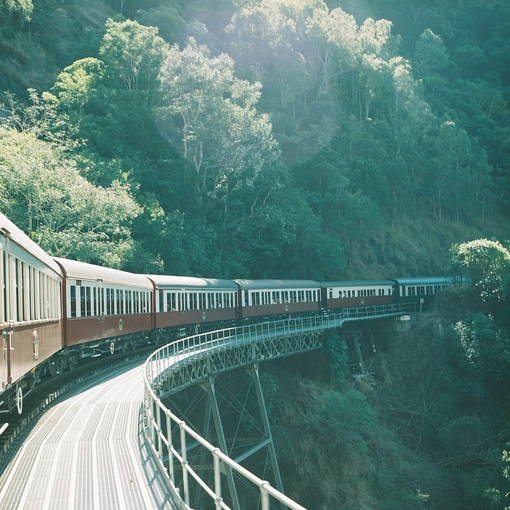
x=56 y=366
x=19 y=400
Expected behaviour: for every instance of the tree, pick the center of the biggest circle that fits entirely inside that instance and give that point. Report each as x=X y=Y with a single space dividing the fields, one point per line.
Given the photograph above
x=133 y=53
x=430 y=53
x=23 y=9
x=212 y=117
x=44 y=193
x=486 y=263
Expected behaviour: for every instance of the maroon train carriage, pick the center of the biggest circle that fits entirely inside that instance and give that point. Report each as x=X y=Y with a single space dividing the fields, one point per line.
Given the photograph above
x=103 y=308
x=337 y=295
x=186 y=300
x=30 y=319
x=278 y=297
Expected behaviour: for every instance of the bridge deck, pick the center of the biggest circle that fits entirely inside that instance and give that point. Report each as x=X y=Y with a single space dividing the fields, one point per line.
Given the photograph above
x=87 y=452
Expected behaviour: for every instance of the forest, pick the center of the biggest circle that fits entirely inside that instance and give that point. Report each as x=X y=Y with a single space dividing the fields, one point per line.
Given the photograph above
x=314 y=139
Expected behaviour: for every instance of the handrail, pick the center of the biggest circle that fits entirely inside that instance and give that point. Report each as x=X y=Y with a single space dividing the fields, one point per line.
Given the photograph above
x=158 y=419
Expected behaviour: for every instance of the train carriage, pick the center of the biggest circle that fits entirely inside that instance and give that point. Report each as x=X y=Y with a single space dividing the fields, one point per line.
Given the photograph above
x=186 y=300
x=277 y=297
x=30 y=320
x=102 y=304
x=419 y=289
x=336 y=295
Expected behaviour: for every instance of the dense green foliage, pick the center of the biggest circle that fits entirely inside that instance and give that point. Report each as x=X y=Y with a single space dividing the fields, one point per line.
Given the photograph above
x=301 y=138
x=292 y=138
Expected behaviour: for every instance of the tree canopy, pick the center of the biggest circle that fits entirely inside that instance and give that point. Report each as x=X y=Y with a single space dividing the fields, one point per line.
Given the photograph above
x=486 y=263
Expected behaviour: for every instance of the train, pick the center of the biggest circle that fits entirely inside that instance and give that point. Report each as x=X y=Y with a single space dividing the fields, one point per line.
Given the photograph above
x=56 y=312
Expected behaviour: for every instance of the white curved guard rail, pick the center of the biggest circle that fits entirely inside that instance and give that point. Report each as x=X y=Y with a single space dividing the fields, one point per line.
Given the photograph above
x=159 y=421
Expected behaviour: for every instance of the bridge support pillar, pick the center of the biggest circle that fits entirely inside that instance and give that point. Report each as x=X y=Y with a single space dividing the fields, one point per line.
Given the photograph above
x=358 y=352
x=254 y=373
x=215 y=410
x=242 y=427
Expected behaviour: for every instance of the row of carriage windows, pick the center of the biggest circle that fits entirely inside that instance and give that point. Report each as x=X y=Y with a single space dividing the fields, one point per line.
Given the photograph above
x=422 y=290
x=183 y=301
x=88 y=301
x=27 y=293
x=277 y=297
x=350 y=293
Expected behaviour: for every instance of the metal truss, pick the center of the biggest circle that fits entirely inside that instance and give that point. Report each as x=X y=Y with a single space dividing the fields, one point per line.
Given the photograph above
x=200 y=368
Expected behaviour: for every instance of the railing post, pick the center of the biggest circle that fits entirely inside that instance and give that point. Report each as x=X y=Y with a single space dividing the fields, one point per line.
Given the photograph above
x=184 y=463
x=264 y=496
x=217 y=478
x=158 y=422
x=171 y=472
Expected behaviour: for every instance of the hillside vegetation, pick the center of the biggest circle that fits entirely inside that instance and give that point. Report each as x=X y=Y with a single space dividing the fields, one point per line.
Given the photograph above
x=257 y=138
x=293 y=139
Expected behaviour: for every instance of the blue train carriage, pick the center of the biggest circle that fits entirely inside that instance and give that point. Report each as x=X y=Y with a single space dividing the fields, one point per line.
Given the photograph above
x=30 y=312
x=262 y=298
x=187 y=300
x=104 y=309
x=420 y=290
x=337 y=295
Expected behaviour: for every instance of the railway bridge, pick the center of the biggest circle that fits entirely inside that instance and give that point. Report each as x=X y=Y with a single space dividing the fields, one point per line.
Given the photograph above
x=198 y=473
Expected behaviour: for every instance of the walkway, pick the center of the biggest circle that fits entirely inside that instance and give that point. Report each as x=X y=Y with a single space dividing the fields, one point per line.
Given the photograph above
x=87 y=452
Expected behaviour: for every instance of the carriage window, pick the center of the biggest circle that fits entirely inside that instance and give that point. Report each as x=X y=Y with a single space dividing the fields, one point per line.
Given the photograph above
x=31 y=295
x=72 y=297
x=101 y=301
x=170 y=302
x=88 y=302
x=20 y=290
x=127 y=301
x=120 y=301
x=109 y=301
x=85 y=310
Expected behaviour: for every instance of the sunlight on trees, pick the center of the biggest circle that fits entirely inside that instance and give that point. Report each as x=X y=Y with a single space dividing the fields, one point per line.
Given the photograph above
x=486 y=263
x=211 y=116
x=66 y=215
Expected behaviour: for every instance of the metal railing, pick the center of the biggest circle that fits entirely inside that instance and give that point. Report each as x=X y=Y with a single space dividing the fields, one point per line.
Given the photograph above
x=161 y=425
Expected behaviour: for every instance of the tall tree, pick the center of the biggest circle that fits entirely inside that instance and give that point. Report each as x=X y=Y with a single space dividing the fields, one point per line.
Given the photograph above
x=211 y=116
x=133 y=53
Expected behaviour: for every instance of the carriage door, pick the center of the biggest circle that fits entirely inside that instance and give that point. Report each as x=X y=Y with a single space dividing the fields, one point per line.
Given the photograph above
x=5 y=313
x=3 y=332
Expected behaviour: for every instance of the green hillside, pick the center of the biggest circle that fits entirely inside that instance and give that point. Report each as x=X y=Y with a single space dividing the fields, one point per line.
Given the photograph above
x=302 y=140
